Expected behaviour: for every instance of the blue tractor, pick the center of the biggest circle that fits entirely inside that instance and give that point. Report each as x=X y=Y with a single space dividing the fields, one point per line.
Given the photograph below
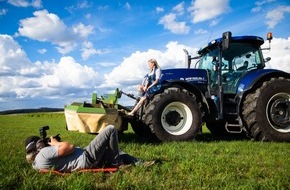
x=228 y=89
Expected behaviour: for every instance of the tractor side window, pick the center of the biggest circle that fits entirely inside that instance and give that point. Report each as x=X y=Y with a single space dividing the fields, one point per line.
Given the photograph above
x=242 y=58
x=209 y=61
x=248 y=58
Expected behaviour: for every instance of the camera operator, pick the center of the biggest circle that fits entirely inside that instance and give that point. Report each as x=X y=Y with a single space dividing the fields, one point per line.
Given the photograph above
x=103 y=150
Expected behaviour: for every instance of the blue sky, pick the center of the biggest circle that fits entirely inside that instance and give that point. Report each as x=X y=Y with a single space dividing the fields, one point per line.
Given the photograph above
x=55 y=52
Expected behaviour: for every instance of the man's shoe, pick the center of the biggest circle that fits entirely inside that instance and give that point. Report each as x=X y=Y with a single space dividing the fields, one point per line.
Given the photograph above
x=125 y=167
x=145 y=164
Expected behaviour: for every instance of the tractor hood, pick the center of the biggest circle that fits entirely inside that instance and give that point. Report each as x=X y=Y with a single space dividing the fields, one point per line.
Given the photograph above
x=194 y=76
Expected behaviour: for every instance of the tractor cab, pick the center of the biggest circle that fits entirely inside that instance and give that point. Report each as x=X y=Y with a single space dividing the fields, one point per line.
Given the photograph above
x=242 y=56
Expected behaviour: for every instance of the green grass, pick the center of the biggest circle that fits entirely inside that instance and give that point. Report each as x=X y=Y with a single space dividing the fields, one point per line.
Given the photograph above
x=207 y=163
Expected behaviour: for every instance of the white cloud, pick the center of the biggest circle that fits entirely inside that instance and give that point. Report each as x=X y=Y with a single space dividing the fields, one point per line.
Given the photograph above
x=3 y=11
x=88 y=16
x=83 y=5
x=20 y=78
x=256 y=9
x=159 y=9
x=214 y=22
x=12 y=58
x=83 y=30
x=275 y=16
x=19 y=3
x=259 y=5
x=42 y=51
x=179 y=9
x=127 y=6
x=200 y=31
x=36 y=3
x=25 y=3
x=89 y=50
x=279 y=53
x=68 y=73
x=107 y=64
x=103 y=8
x=48 y=27
x=202 y=10
x=80 y=5
x=169 y=21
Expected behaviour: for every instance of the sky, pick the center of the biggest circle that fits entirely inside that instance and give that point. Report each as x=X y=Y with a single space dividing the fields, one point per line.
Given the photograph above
x=53 y=52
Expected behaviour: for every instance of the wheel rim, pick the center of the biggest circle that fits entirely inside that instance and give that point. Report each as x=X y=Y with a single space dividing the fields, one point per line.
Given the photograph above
x=176 y=118
x=278 y=112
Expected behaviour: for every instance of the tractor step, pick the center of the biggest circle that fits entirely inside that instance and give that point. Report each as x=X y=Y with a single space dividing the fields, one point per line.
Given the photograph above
x=233 y=128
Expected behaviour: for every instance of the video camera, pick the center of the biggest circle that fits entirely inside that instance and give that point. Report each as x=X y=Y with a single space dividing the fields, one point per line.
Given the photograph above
x=42 y=131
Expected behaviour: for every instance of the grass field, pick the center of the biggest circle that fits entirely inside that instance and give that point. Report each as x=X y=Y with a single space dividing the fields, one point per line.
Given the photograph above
x=206 y=163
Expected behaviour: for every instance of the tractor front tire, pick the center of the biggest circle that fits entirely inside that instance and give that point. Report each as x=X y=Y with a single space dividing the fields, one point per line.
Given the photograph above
x=174 y=115
x=266 y=111
x=142 y=130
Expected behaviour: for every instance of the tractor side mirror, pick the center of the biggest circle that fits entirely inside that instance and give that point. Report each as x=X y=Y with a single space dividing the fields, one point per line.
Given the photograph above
x=267 y=59
x=226 y=40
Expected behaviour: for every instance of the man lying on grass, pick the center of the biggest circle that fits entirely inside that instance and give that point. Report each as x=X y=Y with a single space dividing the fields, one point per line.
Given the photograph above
x=103 y=151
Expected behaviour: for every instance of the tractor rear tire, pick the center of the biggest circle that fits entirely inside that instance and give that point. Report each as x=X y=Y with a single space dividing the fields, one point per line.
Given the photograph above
x=174 y=115
x=266 y=111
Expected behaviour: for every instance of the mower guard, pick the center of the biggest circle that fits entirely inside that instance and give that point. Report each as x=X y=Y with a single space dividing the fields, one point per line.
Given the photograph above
x=93 y=117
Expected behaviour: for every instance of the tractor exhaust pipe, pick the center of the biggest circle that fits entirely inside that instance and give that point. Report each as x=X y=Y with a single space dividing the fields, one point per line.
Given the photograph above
x=187 y=59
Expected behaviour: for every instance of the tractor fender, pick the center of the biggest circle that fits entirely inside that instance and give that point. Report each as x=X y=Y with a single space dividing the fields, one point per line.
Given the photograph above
x=254 y=79
x=192 y=88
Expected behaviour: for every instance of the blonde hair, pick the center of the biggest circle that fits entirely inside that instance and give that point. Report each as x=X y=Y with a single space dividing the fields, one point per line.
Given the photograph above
x=154 y=62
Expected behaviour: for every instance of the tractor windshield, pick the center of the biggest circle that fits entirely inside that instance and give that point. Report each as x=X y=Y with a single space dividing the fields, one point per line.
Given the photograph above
x=236 y=61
